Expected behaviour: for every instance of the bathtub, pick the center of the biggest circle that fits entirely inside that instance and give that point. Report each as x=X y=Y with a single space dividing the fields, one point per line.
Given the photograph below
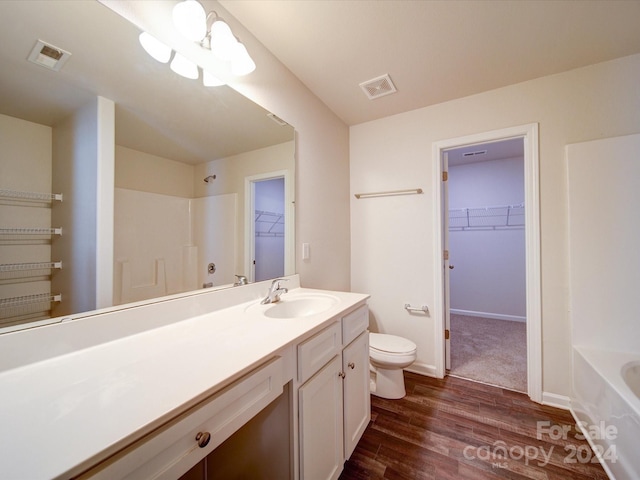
x=606 y=403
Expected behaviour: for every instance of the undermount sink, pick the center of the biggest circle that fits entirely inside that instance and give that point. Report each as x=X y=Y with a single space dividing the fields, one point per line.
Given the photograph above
x=299 y=306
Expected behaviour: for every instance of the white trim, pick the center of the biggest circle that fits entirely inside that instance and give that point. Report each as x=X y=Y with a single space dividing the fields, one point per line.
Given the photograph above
x=289 y=221
x=555 y=400
x=496 y=316
x=532 y=241
x=423 y=369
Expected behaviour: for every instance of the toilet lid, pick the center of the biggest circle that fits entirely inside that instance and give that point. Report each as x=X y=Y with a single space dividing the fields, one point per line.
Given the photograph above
x=390 y=343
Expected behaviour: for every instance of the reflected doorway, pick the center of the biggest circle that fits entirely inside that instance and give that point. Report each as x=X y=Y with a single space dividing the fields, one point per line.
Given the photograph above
x=268 y=226
x=268 y=233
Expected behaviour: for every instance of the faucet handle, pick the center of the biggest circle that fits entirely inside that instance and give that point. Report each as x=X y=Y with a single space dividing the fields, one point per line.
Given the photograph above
x=240 y=280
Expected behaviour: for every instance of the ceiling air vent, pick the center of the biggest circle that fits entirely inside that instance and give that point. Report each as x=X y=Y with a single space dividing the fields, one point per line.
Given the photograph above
x=473 y=154
x=48 y=56
x=378 y=87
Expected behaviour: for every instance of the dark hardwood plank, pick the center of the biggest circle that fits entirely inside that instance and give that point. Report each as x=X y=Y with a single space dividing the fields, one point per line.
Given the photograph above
x=459 y=429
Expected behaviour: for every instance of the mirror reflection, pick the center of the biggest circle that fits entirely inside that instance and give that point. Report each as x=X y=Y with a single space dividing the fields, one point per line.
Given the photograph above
x=200 y=178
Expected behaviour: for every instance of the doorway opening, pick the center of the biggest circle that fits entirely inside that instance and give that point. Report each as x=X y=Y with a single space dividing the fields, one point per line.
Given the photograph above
x=528 y=135
x=268 y=226
x=486 y=245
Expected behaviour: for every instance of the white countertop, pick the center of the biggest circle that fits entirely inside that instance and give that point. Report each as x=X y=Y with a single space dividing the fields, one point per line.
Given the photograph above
x=68 y=412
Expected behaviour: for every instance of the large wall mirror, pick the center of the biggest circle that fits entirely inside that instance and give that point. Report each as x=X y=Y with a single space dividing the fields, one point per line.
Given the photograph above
x=202 y=178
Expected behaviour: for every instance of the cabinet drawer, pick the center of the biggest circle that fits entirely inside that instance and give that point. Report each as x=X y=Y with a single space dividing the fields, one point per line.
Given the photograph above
x=172 y=450
x=314 y=353
x=354 y=324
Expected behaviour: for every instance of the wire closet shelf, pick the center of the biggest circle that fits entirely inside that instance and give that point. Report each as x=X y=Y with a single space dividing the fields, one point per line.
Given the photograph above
x=498 y=217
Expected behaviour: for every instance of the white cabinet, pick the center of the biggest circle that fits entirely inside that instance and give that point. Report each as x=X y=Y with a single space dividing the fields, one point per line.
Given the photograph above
x=357 y=403
x=333 y=404
x=321 y=420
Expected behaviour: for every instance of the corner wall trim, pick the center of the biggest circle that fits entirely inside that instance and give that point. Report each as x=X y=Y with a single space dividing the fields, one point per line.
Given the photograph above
x=555 y=400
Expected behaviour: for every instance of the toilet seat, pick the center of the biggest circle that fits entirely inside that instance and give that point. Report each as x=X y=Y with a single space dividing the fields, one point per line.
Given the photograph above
x=391 y=344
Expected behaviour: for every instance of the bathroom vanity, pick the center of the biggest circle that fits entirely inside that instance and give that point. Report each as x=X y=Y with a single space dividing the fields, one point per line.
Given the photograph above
x=153 y=389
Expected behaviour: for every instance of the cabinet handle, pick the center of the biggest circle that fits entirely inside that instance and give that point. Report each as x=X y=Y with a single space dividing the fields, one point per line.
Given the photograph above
x=341 y=374
x=352 y=365
x=203 y=439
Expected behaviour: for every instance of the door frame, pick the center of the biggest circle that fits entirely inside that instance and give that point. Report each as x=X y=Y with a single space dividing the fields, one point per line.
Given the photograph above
x=529 y=134
x=249 y=219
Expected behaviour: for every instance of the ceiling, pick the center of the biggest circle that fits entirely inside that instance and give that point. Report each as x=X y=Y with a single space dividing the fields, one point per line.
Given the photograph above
x=434 y=50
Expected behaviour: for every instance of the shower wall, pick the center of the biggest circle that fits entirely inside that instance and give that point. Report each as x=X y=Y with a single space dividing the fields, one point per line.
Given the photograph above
x=163 y=244
x=604 y=232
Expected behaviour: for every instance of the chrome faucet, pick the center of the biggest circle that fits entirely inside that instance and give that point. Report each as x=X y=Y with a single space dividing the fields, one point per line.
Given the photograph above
x=275 y=291
x=240 y=280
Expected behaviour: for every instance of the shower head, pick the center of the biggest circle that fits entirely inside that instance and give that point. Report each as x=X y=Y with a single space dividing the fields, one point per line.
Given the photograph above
x=210 y=178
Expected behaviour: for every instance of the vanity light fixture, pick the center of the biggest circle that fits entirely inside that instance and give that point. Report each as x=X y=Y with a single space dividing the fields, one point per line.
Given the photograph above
x=210 y=80
x=185 y=67
x=192 y=22
x=154 y=47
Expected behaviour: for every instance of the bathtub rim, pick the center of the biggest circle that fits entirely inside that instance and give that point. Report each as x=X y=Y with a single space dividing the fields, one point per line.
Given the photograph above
x=609 y=364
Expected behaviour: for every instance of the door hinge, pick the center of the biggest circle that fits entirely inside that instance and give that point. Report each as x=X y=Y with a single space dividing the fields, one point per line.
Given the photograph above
x=446 y=334
x=445 y=176
x=446 y=254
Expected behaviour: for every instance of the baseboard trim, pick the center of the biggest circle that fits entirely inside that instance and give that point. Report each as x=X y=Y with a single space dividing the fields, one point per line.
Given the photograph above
x=496 y=316
x=555 y=400
x=423 y=369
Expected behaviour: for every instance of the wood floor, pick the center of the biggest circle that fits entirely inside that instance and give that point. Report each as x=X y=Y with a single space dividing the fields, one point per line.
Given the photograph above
x=459 y=429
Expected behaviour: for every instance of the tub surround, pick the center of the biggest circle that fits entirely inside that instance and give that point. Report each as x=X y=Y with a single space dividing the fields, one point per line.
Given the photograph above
x=89 y=387
x=605 y=404
x=603 y=296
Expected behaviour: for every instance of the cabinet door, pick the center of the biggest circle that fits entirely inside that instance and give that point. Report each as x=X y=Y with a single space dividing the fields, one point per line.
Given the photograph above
x=320 y=411
x=357 y=403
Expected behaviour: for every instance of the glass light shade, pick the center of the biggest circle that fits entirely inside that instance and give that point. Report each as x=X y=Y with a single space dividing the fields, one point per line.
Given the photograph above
x=190 y=19
x=210 y=80
x=223 y=43
x=242 y=63
x=185 y=67
x=155 y=47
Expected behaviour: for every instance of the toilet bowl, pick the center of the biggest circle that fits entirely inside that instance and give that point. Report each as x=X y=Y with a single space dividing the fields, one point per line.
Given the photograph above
x=388 y=355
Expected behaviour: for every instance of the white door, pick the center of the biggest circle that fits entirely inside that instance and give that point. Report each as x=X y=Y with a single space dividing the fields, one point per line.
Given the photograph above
x=446 y=265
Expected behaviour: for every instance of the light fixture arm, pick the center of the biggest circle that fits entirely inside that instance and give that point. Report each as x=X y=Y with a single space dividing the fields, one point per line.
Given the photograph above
x=206 y=40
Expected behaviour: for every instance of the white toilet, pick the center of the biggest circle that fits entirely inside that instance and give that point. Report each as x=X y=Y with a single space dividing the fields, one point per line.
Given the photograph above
x=388 y=355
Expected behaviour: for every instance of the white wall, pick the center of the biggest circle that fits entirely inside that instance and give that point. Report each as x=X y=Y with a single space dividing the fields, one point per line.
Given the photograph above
x=83 y=164
x=144 y=172
x=322 y=169
x=26 y=167
x=604 y=234
x=489 y=275
x=392 y=238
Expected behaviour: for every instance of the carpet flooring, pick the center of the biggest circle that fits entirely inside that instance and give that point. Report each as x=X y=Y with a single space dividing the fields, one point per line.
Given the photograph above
x=489 y=351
